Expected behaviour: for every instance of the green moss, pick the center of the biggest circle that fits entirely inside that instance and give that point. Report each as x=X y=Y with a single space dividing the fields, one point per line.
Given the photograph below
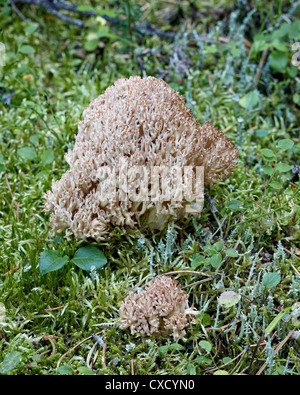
x=43 y=95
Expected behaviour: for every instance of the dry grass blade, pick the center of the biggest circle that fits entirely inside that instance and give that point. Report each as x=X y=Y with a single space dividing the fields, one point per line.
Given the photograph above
x=73 y=348
x=88 y=364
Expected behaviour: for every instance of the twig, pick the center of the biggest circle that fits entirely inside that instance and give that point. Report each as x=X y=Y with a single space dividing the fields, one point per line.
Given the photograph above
x=261 y=65
x=103 y=354
x=227 y=363
x=219 y=228
x=258 y=205
x=237 y=243
x=88 y=364
x=197 y=283
x=49 y=339
x=17 y=11
x=54 y=6
x=131 y=368
x=8 y=186
x=227 y=128
x=188 y=272
x=261 y=339
x=95 y=358
x=54 y=308
x=222 y=327
x=10 y=271
x=297 y=272
x=73 y=348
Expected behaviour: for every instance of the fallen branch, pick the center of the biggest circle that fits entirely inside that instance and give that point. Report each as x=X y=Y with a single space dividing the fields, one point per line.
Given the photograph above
x=54 y=7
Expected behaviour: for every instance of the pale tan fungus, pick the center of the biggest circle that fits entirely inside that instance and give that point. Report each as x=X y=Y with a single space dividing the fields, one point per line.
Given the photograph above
x=161 y=309
x=141 y=122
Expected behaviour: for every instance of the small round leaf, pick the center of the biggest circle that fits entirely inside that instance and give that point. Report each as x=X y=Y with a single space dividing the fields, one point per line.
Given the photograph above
x=10 y=361
x=270 y=280
x=87 y=257
x=268 y=154
x=285 y=144
x=51 y=261
x=229 y=298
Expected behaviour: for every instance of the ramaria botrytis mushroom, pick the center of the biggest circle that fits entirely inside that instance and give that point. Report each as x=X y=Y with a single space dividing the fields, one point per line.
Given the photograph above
x=136 y=122
x=161 y=309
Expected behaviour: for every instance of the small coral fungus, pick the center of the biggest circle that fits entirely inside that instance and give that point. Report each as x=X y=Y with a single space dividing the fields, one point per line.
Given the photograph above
x=161 y=309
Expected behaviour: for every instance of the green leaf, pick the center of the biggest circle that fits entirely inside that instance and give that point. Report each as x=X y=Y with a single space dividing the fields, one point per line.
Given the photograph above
x=191 y=369
x=26 y=49
x=268 y=169
x=34 y=139
x=205 y=345
x=281 y=32
x=232 y=253
x=283 y=167
x=219 y=245
x=259 y=44
x=270 y=280
x=205 y=319
x=65 y=369
x=216 y=260
x=31 y=29
x=285 y=144
x=261 y=133
x=88 y=257
x=47 y=157
x=268 y=154
x=91 y=45
x=203 y=360
x=229 y=298
x=279 y=61
x=26 y=153
x=104 y=11
x=279 y=45
x=235 y=205
x=85 y=7
x=85 y=370
x=276 y=320
x=250 y=100
x=275 y=185
x=197 y=260
x=176 y=346
x=51 y=260
x=10 y=361
x=221 y=373
x=294 y=30
x=42 y=174
x=296 y=98
x=105 y=32
x=163 y=350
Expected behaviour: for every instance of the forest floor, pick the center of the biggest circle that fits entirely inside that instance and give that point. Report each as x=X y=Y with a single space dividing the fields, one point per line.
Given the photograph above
x=236 y=66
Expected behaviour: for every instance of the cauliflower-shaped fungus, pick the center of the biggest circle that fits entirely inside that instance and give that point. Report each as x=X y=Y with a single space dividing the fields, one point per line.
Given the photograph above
x=136 y=122
x=161 y=309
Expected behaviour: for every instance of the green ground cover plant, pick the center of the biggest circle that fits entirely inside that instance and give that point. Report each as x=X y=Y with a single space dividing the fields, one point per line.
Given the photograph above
x=59 y=299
